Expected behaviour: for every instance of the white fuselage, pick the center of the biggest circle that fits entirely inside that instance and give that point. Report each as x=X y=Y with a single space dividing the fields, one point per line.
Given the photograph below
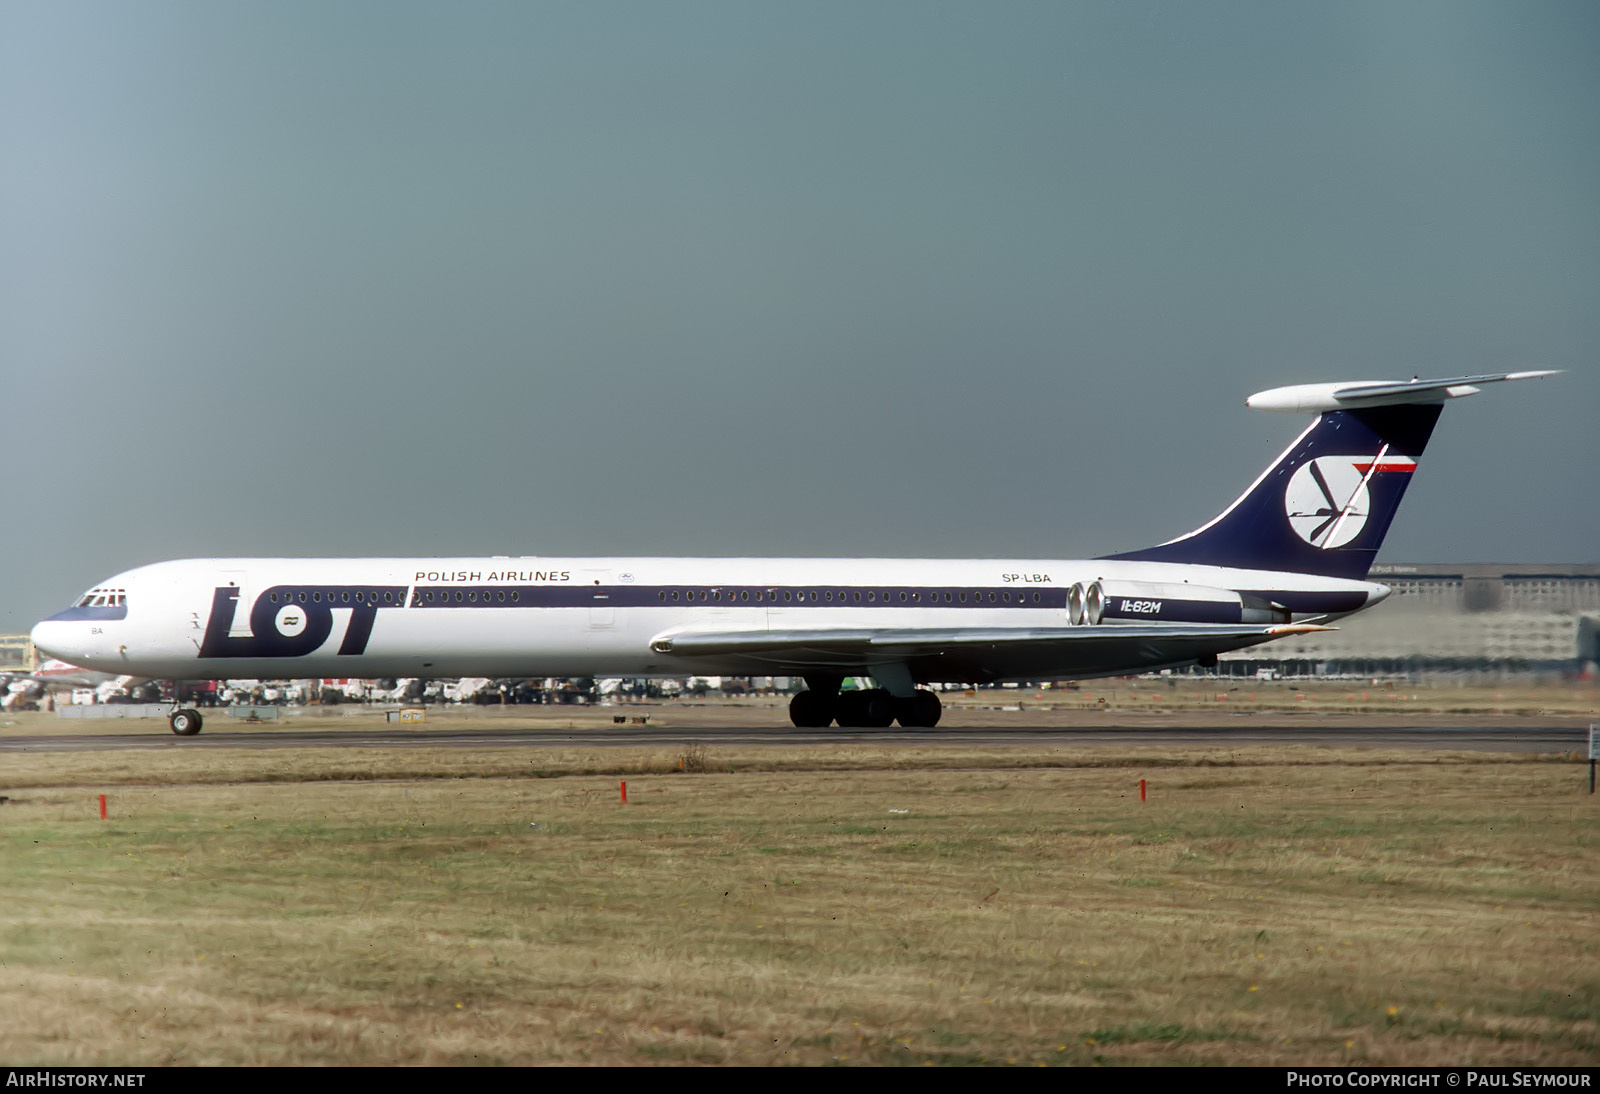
x=500 y=617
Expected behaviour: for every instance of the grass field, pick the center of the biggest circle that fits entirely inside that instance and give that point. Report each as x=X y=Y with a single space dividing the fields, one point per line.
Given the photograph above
x=798 y=906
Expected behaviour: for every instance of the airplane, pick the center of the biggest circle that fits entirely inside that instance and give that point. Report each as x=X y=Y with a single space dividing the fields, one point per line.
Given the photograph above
x=1288 y=557
x=55 y=674
x=58 y=673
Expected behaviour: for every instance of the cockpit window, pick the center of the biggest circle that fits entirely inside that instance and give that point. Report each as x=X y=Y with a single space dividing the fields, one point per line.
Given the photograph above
x=103 y=598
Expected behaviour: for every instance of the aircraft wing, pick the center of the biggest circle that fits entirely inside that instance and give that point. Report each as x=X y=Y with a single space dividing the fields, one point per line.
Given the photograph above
x=972 y=654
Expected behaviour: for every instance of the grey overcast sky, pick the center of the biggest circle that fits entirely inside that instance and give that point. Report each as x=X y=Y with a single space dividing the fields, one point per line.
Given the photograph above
x=860 y=278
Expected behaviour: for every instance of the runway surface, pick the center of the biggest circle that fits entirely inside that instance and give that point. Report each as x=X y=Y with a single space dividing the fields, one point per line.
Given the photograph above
x=1489 y=738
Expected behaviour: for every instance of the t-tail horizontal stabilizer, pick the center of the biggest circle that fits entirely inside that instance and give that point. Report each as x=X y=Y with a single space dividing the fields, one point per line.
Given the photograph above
x=1325 y=505
x=1351 y=395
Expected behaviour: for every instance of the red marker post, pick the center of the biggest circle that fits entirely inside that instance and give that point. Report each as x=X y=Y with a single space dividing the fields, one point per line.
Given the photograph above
x=624 y=793
x=102 y=807
x=1141 y=790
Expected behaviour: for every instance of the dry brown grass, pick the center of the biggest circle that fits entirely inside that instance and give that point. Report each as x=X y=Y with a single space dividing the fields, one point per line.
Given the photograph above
x=1388 y=699
x=798 y=906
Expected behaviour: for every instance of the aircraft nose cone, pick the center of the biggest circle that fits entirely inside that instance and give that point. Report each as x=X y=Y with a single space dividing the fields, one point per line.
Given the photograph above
x=58 y=638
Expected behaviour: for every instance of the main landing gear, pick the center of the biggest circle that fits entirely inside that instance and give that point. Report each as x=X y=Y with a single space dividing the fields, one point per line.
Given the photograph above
x=873 y=708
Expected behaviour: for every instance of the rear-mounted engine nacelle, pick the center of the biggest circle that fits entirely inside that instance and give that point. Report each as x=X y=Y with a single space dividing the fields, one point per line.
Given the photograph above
x=1148 y=602
x=1075 y=605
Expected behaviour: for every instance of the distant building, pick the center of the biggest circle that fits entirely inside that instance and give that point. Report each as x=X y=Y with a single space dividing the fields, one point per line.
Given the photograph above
x=1490 y=618
x=16 y=652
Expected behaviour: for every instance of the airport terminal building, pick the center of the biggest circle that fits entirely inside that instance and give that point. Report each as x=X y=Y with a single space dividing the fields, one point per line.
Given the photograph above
x=1480 y=618
x=15 y=653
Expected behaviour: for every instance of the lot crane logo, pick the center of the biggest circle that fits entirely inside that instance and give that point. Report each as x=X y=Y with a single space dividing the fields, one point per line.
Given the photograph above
x=1328 y=500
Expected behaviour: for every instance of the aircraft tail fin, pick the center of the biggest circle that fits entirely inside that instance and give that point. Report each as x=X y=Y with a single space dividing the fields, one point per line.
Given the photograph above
x=1324 y=506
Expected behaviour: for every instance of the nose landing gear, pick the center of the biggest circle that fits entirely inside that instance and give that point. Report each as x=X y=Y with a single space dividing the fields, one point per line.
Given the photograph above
x=185 y=721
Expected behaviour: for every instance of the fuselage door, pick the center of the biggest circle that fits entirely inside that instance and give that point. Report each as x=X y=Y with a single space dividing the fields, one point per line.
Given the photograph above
x=239 y=626
x=602 y=612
